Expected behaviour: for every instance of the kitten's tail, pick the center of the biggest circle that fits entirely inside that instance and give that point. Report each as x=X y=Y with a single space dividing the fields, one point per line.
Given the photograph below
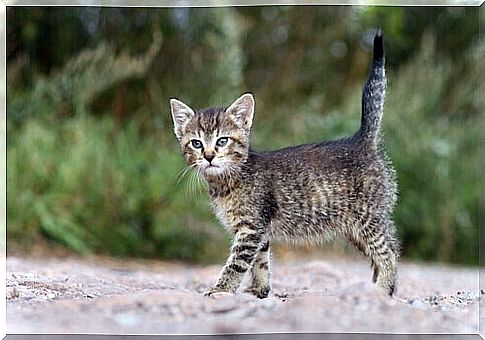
x=374 y=93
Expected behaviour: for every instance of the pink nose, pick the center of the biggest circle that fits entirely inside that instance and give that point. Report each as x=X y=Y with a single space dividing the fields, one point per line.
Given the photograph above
x=209 y=156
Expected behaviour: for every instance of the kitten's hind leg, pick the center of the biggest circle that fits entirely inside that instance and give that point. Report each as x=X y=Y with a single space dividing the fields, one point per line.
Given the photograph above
x=386 y=256
x=377 y=241
x=386 y=265
x=260 y=273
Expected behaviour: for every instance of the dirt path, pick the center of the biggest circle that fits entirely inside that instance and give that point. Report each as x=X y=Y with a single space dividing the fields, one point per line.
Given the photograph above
x=100 y=295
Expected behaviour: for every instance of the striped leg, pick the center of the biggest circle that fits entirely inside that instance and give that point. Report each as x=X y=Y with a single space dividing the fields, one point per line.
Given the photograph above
x=385 y=256
x=246 y=244
x=377 y=241
x=260 y=273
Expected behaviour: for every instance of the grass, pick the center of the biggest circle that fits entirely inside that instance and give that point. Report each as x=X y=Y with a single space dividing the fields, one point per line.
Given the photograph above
x=93 y=187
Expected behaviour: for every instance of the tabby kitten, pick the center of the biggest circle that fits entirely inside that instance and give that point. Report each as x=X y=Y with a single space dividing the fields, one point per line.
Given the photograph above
x=306 y=192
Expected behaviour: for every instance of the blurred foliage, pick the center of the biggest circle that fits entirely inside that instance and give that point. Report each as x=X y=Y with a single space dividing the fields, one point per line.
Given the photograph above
x=93 y=163
x=74 y=87
x=92 y=187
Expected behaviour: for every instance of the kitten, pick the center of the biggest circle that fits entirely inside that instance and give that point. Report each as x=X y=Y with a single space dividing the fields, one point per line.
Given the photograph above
x=306 y=192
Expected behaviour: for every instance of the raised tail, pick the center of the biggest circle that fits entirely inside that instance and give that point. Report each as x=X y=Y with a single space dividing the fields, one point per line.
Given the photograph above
x=374 y=93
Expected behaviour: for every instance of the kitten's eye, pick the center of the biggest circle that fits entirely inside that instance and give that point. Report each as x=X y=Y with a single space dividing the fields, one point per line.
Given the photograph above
x=196 y=143
x=222 y=141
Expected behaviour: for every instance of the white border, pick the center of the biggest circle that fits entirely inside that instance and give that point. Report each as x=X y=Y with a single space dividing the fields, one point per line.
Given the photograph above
x=3 y=166
x=156 y=3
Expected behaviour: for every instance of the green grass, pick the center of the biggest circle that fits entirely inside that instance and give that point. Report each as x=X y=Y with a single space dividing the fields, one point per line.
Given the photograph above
x=96 y=188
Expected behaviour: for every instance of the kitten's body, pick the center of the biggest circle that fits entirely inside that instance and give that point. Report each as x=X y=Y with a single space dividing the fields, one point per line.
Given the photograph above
x=301 y=193
x=311 y=191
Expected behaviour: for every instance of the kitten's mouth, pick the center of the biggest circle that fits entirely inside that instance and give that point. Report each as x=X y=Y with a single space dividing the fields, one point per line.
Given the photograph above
x=212 y=169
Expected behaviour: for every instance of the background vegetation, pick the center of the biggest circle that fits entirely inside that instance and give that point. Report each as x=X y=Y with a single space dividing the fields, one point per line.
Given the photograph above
x=93 y=164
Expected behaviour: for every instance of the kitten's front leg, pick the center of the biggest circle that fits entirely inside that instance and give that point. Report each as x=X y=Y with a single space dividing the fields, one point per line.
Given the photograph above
x=246 y=244
x=260 y=273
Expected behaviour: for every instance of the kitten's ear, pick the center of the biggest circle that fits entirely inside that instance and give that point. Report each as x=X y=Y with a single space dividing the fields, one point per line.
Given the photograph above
x=242 y=111
x=181 y=113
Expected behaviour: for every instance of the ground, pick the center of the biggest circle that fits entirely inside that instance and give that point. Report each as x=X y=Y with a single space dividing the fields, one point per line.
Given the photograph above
x=103 y=295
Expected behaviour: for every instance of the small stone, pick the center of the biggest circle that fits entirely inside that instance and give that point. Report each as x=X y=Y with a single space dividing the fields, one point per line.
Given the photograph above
x=218 y=295
x=30 y=276
x=26 y=295
x=223 y=306
x=418 y=304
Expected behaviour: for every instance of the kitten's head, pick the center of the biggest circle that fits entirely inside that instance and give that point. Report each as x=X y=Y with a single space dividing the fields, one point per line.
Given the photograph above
x=214 y=141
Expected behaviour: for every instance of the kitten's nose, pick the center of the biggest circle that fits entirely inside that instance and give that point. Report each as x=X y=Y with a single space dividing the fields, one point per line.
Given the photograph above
x=209 y=156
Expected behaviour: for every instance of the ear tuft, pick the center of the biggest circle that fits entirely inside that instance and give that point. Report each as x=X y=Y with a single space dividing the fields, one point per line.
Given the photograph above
x=181 y=113
x=242 y=111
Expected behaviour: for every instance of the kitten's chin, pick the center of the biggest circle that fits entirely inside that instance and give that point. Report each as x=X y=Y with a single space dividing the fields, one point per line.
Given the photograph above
x=213 y=170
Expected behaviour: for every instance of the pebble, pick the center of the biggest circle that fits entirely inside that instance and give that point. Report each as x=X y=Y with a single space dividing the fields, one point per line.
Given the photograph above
x=223 y=306
x=30 y=276
x=419 y=304
x=220 y=295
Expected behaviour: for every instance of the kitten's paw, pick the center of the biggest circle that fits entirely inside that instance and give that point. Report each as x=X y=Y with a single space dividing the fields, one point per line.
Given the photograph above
x=261 y=292
x=216 y=295
x=217 y=292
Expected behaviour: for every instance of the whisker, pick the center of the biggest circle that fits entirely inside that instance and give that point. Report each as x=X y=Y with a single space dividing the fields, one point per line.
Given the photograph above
x=200 y=182
x=193 y=176
x=182 y=173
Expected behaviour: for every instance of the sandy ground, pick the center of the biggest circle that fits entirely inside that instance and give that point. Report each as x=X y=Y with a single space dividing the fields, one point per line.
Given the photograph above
x=102 y=295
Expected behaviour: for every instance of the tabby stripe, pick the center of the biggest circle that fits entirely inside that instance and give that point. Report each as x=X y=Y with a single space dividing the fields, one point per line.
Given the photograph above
x=265 y=247
x=239 y=225
x=384 y=252
x=251 y=238
x=237 y=268
x=199 y=123
x=237 y=141
x=244 y=247
x=248 y=258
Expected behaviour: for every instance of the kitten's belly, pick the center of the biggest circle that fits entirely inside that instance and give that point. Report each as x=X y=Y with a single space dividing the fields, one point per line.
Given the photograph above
x=309 y=223
x=315 y=205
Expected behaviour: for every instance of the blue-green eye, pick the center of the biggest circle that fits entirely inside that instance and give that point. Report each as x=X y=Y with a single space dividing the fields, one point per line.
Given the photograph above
x=222 y=141
x=196 y=143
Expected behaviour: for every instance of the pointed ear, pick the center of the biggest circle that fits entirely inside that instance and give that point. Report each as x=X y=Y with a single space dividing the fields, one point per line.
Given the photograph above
x=181 y=113
x=242 y=111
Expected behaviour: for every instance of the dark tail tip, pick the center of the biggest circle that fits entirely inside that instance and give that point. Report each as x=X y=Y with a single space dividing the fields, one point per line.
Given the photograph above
x=379 y=45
